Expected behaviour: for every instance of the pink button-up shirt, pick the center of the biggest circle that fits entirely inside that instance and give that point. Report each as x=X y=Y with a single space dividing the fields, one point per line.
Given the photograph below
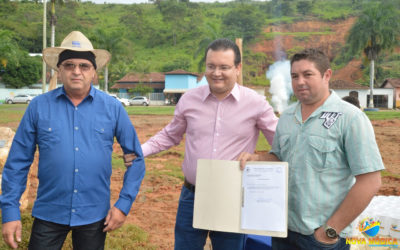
x=215 y=129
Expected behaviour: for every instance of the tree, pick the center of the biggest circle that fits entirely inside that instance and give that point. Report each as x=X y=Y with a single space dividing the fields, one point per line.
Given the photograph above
x=245 y=21
x=174 y=12
x=25 y=73
x=203 y=44
x=181 y=62
x=377 y=29
x=110 y=41
x=8 y=49
x=303 y=7
x=142 y=89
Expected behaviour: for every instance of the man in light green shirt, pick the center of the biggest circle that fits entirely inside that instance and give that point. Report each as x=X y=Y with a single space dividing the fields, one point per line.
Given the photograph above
x=334 y=161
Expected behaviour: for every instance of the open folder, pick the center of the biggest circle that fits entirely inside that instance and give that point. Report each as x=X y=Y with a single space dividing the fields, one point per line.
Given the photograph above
x=252 y=201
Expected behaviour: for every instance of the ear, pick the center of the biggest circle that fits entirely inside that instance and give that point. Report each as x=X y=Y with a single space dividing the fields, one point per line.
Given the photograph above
x=327 y=75
x=238 y=69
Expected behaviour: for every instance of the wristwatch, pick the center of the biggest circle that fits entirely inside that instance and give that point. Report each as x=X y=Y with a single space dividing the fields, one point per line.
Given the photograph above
x=330 y=232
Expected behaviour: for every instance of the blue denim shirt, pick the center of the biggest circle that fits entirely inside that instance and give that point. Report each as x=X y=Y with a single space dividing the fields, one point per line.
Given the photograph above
x=75 y=146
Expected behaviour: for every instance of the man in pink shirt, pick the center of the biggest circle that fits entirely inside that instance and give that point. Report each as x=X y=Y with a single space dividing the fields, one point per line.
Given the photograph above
x=220 y=120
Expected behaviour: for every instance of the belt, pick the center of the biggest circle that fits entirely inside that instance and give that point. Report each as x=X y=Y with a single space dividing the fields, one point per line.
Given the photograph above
x=189 y=186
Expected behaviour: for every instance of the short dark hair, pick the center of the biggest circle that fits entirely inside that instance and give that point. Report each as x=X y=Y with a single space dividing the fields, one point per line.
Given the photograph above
x=353 y=100
x=225 y=44
x=316 y=56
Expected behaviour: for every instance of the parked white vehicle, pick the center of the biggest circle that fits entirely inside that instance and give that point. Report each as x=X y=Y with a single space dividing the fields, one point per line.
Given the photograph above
x=139 y=100
x=124 y=101
x=19 y=99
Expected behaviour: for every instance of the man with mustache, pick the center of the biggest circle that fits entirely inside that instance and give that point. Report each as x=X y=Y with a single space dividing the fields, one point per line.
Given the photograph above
x=73 y=128
x=334 y=161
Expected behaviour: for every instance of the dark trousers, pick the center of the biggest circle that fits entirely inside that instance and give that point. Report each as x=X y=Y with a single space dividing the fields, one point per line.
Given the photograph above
x=47 y=235
x=297 y=241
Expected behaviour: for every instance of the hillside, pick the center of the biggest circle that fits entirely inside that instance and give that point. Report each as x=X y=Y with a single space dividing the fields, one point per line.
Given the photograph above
x=170 y=34
x=328 y=36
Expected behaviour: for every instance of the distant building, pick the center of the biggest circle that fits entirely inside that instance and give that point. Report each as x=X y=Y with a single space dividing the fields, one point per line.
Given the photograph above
x=178 y=82
x=167 y=86
x=154 y=80
x=393 y=83
x=383 y=97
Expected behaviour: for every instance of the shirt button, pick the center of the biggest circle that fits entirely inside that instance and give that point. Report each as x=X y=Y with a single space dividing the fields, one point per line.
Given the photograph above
x=73 y=210
x=76 y=108
x=49 y=129
x=76 y=149
x=217 y=134
x=76 y=170
x=76 y=128
x=75 y=191
x=215 y=149
x=219 y=119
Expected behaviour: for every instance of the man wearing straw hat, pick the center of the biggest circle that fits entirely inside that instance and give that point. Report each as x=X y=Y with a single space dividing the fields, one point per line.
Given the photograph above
x=74 y=128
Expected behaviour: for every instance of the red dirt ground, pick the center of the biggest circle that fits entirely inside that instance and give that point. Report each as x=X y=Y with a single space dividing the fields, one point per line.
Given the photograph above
x=155 y=207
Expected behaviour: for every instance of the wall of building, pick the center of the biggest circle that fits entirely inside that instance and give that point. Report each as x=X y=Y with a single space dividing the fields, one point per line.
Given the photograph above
x=363 y=93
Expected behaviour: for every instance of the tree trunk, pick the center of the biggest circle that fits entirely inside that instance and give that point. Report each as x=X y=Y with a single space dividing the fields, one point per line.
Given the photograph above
x=52 y=41
x=44 y=46
x=371 y=84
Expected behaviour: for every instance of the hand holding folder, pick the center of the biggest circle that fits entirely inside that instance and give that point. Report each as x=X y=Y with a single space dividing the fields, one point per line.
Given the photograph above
x=253 y=201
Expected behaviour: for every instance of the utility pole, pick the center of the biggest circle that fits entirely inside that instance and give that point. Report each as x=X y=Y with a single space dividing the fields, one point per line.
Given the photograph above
x=239 y=44
x=44 y=76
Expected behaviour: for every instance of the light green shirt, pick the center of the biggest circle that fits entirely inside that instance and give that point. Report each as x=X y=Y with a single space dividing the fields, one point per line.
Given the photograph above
x=336 y=143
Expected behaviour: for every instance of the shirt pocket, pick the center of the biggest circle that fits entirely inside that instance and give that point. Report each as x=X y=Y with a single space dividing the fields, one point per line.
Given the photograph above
x=104 y=133
x=322 y=154
x=48 y=133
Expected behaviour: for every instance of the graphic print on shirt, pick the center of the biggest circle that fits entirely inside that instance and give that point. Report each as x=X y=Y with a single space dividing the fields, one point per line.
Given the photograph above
x=330 y=118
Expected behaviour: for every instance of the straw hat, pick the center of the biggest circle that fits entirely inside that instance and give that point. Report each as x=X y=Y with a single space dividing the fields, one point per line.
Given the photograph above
x=75 y=41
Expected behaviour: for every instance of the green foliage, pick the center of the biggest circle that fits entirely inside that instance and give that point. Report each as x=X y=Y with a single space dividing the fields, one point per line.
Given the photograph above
x=24 y=73
x=333 y=9
x=304 y=7
x=377 y=29
x=141 y=89
x=171 y=34
x=280 y=8
x=178 y=63
x=245 y=21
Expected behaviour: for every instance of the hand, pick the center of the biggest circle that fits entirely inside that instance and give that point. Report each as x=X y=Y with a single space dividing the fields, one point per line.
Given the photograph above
x=115 y=219
x=245 y=157
x=9 y=229
x=320 y=236
x=128 y=159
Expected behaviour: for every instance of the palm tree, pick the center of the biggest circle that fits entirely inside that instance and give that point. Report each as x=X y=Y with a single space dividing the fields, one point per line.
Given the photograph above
x=377 y=29
x=203 y=44
x=111 y=41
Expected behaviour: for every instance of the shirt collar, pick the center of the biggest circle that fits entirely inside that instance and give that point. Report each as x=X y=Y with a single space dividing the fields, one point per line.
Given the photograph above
x=328 y=105
x=61 y=92
x=235 y=92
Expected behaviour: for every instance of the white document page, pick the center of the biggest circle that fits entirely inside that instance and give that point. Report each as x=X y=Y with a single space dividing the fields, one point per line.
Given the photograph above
x=264 y=198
